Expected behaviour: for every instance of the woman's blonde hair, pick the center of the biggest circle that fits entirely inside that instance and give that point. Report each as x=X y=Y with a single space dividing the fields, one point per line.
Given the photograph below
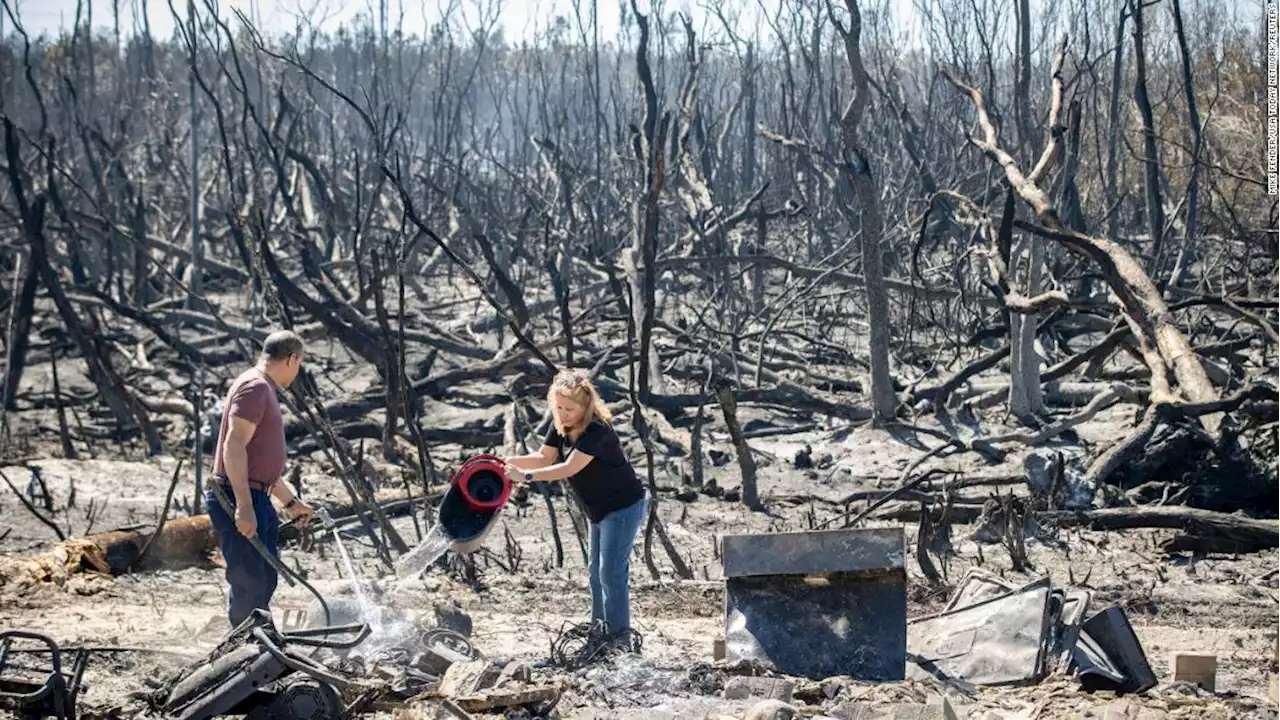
x=576 y=386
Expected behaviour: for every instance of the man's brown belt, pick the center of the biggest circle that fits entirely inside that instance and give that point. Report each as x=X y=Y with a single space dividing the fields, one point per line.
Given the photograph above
x=253 y=484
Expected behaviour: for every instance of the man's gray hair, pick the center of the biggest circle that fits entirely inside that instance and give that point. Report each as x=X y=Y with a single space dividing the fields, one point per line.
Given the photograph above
x=281 y=345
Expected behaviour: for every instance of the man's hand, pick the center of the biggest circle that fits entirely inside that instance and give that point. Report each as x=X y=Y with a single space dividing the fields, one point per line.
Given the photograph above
x=246 y=521
x=299 y=512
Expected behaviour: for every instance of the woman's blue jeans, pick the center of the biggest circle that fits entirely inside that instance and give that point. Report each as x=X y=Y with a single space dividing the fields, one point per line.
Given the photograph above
x=610 y=566
x=251 y=578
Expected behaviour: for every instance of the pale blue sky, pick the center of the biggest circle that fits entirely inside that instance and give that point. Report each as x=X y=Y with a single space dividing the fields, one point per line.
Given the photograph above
x=520 y=18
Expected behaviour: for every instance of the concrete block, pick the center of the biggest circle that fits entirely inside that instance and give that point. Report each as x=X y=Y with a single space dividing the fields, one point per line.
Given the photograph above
x=468 y=678
x=717 y=649
x=1196 y=668
x=742 y=688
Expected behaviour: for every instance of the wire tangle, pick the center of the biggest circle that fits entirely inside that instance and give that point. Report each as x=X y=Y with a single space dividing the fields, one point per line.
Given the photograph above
x=582 y=644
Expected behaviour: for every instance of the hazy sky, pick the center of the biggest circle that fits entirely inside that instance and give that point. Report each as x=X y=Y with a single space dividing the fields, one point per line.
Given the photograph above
x=519 y=18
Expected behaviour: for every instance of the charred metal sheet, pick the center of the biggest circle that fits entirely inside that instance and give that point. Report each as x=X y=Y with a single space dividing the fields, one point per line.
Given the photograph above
x=996 y=641
x=818 y=604
x=976 y=586
x=1096 y=669
x=805 y=553
x=1074 y=609
x=1111 y=633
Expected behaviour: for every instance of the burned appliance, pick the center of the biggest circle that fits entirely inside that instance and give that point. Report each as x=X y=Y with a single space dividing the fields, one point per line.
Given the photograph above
x=818 y=604
x=33 y=687
x=256 y=672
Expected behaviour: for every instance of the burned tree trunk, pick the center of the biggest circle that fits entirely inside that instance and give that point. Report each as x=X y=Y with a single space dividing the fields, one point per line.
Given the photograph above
x=1150 y=154
x=746 y=463
x=1188 y=253
x=124 y=407
x=1161 y=344
x=1114 y=116
x=858 y=169
x=20 y=315
x=641 y=262
x=1026 y=400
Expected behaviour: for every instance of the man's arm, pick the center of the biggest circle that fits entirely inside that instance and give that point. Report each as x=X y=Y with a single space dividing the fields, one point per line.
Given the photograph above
x=294 y=506
x=235 y=459
x=282 y=493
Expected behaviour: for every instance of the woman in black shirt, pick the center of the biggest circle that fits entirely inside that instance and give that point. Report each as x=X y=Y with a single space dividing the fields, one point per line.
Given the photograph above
x=582 y=447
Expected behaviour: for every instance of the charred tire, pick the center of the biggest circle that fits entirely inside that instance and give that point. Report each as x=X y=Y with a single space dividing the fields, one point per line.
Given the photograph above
x=442 y=648
x=301 y=699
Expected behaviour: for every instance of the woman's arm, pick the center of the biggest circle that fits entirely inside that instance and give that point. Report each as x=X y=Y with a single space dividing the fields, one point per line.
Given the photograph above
x=573 y=465
x=541 y=459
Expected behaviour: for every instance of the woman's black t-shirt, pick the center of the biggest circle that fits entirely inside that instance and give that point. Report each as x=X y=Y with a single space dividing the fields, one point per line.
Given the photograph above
x=608 y=483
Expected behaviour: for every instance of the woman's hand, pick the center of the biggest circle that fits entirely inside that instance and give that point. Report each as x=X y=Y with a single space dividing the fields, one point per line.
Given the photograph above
x=515 y=474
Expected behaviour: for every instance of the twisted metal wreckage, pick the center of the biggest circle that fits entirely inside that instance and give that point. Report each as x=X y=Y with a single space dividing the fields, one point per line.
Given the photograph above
x=323 y=671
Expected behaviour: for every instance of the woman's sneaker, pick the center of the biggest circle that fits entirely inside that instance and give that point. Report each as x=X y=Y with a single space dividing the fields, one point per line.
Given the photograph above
x=626 y=641
x=595 y=646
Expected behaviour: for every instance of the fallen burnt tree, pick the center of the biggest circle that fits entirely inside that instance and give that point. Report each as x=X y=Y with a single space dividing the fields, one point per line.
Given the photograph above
x=181 y=542
x=1244 y=534
x=1180 y=389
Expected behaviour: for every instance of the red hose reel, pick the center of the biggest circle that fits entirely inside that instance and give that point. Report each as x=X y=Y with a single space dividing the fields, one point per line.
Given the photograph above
x=483 y=482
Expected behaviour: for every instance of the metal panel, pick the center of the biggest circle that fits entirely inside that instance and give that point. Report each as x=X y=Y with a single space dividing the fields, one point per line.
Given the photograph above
x=841 y=624
x=805 y=553
x=1075 y=606
x=977 y=585
x=995 y=641
x=1111 y=631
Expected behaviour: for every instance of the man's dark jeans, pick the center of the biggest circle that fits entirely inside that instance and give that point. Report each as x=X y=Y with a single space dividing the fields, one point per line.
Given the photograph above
x=251 y=577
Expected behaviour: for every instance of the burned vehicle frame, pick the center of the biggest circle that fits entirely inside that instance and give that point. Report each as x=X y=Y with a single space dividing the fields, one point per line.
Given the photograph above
x=255 y=672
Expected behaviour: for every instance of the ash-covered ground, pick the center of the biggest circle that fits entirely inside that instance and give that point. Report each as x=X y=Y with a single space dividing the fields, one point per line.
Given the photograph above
x=519 y=599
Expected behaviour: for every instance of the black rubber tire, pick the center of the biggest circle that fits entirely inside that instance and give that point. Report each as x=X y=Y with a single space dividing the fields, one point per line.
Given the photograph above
x=301 y=699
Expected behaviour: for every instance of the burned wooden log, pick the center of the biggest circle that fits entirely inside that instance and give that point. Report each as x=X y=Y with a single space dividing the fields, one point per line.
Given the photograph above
x=1255 y=534
x=182 y=542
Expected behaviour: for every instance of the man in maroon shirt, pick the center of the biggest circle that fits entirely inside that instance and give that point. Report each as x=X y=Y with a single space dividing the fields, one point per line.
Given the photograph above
x=248 y=461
